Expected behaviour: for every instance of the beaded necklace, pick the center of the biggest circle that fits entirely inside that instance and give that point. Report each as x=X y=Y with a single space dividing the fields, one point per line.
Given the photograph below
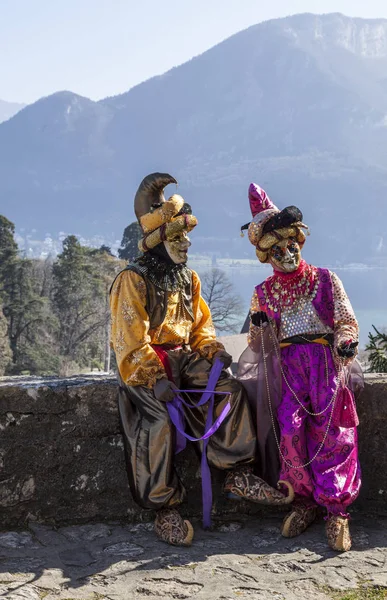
x=287 y=289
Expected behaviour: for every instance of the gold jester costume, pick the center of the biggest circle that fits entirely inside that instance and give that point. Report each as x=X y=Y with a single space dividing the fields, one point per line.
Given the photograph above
x=164 y=340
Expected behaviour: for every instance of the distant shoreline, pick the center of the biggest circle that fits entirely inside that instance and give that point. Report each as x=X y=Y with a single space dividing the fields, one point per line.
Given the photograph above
x=245 y=263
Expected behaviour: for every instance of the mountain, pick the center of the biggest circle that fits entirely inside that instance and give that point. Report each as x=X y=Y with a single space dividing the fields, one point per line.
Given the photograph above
x=298 y=105
x=9 y=109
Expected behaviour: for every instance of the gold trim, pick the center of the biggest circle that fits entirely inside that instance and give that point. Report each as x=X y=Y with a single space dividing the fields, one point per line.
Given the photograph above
x=321 y=341
x=164 y=214
x=182 y=223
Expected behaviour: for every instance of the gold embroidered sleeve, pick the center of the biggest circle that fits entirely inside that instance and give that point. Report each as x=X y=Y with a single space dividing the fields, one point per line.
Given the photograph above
x=137 y=362
x=203 y=335
x=254 y=330
x=254 y=304
x=345 y=323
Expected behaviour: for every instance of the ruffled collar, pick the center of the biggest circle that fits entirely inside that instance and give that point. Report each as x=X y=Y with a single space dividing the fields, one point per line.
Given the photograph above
x=164 y=275
x=297 y=274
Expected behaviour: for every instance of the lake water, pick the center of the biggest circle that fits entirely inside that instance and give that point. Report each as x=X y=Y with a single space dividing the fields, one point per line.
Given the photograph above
x=366 y=288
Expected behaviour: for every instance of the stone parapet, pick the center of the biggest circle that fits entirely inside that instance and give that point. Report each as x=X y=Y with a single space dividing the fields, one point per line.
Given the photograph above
x=62 y=460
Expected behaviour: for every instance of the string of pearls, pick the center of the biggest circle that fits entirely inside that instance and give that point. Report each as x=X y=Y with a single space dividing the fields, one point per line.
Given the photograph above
x=332 y=403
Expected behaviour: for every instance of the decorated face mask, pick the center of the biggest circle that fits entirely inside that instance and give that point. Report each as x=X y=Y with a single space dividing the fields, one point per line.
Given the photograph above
x=177 y=248
x=285 y=256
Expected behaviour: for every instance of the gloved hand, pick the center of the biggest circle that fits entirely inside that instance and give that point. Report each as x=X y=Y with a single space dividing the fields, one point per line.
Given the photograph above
x=347 y=349
x=259 y=318
x=224 y=357
x=164 y=390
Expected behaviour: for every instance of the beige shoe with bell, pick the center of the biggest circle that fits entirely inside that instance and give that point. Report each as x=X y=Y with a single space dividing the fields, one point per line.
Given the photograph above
x=337 y=530
x=171 y=528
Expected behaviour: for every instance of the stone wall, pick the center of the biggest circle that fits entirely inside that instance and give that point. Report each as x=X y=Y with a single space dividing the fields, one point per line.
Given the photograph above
x=61 y=453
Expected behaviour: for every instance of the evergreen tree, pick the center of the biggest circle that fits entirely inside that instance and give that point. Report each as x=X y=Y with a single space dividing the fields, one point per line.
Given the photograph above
x=129 y=244
x=38 y=346
x=82 y=278
x=54 y=318
x=8 y=255
x=8 y=248
x=5 y=350
x=377 y=351
x=105 y=249
x=29 y=317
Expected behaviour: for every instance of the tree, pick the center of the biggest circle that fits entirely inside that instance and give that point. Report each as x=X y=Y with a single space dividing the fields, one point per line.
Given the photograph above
x=38 y=347
x=29 y=319
x=8 y=246
x=377 y=351
x=108 y=266
x=8 y=254
x=226 y=306
x=82 y=277
x=25 y=302
x=8 y=257
x=5 y=349
x=76 y=289
x=129 y=244
x=104 y=249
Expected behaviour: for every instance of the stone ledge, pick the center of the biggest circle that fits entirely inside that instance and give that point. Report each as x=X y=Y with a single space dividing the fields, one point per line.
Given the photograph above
x=61 y=453
x=24 y=381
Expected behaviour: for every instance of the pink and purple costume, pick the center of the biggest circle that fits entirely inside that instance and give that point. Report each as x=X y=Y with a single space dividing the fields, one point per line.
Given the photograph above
x=299 y=379
x=309 y=312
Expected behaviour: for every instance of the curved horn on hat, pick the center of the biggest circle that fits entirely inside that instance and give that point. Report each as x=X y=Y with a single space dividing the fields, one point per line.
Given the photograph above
x=151 y=191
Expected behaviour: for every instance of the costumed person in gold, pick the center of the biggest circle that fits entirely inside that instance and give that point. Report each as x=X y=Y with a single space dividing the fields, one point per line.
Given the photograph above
x=303 y=340
x=164 y=340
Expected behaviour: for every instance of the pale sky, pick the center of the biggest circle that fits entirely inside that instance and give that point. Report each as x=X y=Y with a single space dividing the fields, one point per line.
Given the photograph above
x=100 y=48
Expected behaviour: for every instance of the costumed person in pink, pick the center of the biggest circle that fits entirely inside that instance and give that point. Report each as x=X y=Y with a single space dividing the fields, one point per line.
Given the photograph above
x=300 y=372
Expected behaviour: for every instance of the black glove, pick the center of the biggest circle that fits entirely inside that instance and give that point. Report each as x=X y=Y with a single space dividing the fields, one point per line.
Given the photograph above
x=259 y=318
x=164 y=390
x=224 y=357
x=347 y=350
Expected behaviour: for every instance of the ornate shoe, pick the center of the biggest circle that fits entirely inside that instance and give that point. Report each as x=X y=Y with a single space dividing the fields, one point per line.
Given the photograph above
x=299 y=519
x=337 y=530
x=172 y=529
x=242 y=483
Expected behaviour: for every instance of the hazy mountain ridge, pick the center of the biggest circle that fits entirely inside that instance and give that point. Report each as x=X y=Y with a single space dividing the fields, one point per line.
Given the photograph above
x=298 y=105
x=9 y=109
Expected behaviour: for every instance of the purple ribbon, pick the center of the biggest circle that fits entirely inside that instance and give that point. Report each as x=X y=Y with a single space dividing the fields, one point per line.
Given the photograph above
x=176 y=414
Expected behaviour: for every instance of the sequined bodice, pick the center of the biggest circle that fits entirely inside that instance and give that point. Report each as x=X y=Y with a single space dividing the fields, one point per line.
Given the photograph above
x=310 y=301
x=292 y=297
x=301 y=319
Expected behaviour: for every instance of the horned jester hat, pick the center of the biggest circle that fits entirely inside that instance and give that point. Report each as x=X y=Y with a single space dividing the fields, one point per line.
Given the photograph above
x=160 y=219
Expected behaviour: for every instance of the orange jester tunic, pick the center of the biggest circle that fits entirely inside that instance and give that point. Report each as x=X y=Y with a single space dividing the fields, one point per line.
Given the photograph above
x=131 y=335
